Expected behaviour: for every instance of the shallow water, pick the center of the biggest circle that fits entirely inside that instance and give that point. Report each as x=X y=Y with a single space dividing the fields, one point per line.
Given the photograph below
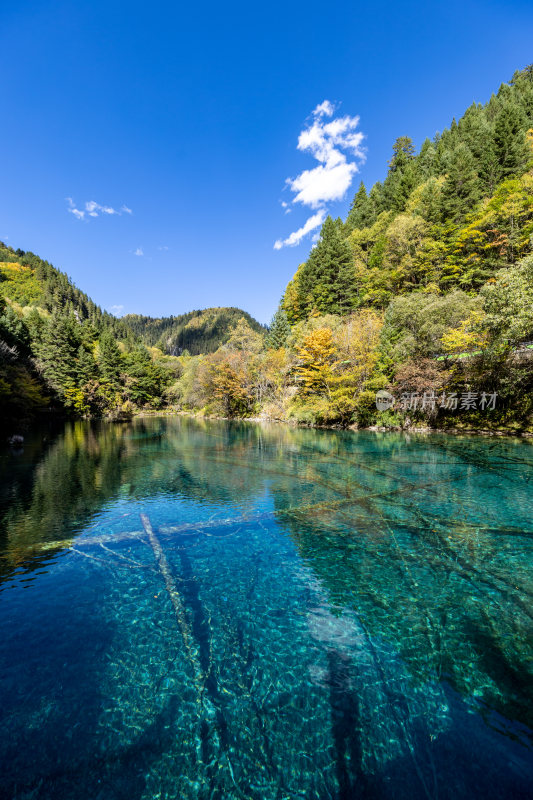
x=211 y=610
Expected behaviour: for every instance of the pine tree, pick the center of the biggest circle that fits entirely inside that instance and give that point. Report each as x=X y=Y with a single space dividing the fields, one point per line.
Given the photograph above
x=401 y=178
x=308 y=280
x=425 y=163
x=462 y=188
x=489 y=167
x=403 y=151
x=375 y=197
x=509 y=140
x=85 y=367
x=110 y=360
x=360 y=214
x=327 y=281
x=57 y=352
x=144 y=379
x=280 y=330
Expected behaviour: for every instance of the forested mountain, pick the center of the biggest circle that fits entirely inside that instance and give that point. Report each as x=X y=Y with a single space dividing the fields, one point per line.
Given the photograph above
x=425 y=291
x=60 y=352
x=446 y=218
x=29 y=282
x=196 y=332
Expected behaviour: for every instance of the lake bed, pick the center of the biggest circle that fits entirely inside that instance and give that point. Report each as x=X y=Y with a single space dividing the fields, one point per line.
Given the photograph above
x=203 y=609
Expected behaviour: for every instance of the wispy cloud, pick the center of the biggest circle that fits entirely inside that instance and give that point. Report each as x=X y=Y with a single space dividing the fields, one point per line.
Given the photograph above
x=163 y=247
x=296 y=237
x=328 y=142
x=93 y=209
x=116 y=310
x=138 y=252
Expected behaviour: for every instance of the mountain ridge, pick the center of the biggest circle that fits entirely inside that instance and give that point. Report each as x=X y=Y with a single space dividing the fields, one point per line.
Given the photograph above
x=196 y=332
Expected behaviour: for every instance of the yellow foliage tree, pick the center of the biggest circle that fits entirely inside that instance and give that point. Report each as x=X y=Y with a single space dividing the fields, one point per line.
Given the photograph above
x=316 y=356
x=469 y=336
x=227 y=379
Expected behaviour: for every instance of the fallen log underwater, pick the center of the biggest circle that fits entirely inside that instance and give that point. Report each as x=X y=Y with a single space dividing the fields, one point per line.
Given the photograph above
x=174 y=595
x=191 y=528
x=212 y=725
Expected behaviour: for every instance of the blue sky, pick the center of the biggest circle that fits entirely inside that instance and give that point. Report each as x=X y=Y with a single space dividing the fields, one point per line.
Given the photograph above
x=185 y=120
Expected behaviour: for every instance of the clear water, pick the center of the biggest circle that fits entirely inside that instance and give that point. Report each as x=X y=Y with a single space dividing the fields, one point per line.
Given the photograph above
x=296 y=614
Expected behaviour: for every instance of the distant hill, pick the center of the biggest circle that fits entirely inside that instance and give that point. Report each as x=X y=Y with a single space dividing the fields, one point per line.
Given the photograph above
x=197 y=332
x=28 y=281
x=61 y=353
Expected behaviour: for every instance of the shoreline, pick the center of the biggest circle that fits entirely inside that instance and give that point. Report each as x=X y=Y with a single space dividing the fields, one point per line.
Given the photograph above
x=425 y=429
x=22 y=429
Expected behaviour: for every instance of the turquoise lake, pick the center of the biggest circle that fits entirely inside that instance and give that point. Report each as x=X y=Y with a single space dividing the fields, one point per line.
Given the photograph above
x=202 y=610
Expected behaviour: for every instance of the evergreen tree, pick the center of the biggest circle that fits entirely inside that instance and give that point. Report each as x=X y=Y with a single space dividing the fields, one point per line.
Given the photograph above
x=509 y=140
x=144 y=380
x=360 y=214
x=109 y=360
x=425 y=163
x=489 y=167
x=57 y=353
x=401 y=178
x=327 y=281
x=86 y=367
x=13 y=330
x=403 y=151
x=375 y=197
x=462 y=187
x=280 y=330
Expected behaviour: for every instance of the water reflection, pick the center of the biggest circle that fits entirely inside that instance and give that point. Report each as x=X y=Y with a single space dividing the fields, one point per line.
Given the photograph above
x=356 y=612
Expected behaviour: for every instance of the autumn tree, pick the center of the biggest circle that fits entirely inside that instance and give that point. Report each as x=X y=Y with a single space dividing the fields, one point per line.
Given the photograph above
x=228 y=383
x=315 y=360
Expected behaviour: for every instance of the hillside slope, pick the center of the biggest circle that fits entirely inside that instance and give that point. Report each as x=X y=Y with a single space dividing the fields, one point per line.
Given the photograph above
x=28 y=281
x=424 y=292
x=60 y=352
x=195 y=332
x=446 y=218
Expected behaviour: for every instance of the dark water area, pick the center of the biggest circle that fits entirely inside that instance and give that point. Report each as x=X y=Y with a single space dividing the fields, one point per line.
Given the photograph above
x=202 y=610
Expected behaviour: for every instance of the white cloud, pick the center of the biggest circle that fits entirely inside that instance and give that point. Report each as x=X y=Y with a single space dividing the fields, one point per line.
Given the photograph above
x=328 y=142
x=138 y=252
x=163 y=247
x=326 y=108
x=93 y=209
x=321 y=185
x=296 y=237
x=116 y=310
